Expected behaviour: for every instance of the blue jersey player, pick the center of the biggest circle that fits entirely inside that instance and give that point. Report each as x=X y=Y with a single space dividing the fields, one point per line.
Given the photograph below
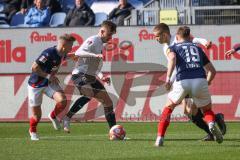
x=162 y=34
x=189 y=60
x=43 y=80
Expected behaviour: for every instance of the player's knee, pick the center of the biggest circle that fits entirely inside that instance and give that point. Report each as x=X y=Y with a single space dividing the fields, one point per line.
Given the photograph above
x=63 y=101
x=107 y=102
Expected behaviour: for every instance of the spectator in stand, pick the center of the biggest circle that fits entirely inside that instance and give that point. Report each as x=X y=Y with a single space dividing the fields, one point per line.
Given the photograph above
x=27 y=4
x=80 y=15
x=11 y=7
x=38 y=15
x=122 y=11
x=54 y=6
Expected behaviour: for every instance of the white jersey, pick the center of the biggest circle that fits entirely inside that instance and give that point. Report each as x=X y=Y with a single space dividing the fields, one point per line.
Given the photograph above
x=89 y=65
x=173 y=40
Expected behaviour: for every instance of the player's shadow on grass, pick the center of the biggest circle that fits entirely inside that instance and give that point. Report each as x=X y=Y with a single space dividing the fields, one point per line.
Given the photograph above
x=152 y=139
x=232 y=139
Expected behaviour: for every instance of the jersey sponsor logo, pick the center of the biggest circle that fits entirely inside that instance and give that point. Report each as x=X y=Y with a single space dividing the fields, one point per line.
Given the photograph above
x=89 y=42
x=48 y=37
x=144 y=35
x=43 y=59
x=9 y=54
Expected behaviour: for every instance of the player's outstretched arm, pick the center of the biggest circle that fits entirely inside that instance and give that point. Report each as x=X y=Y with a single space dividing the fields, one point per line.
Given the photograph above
x=211 y=72
x=72 y=56
x=84 y=54
x=229 y=52
x=202 y=41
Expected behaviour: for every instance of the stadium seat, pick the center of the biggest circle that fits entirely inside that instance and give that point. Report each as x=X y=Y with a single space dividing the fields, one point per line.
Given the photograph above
x=2 y=21
x=1 y=7
x=17 y=19
x=4 y=26
x=57 y=19
x=3 y=16
x=99 y=18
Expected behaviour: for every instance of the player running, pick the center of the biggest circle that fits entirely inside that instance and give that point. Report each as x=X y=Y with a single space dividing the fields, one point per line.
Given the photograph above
x=189 y=60
x=43 y=80
x=86 y=76
x=163 y=36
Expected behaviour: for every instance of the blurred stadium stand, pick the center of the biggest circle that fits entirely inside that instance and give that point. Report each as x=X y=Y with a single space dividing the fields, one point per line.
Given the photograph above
x=151 y=12
x=57 y=19
x=201 y=12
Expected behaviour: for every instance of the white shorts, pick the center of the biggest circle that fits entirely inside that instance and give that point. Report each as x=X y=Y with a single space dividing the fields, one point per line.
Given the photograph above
x=35 y=95
x=195 y=88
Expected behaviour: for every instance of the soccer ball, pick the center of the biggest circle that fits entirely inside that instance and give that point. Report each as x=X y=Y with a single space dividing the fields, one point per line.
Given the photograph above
x=117 y=132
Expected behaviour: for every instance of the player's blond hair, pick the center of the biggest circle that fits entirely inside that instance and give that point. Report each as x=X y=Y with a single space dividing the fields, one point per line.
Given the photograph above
x=184 y=32
x=67 y=38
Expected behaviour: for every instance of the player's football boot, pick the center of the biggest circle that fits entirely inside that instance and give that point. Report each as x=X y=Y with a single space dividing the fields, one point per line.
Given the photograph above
x=208 y=137
x=55 y=122
x=34 y=136
x=216 y=132
x=66 y=124
x=159 y=141
x=219 y=118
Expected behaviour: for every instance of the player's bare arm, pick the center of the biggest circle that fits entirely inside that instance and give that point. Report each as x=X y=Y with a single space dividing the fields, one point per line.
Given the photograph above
x=171 y=65
x=232 y=51
x=211 y=72
x=37 y=69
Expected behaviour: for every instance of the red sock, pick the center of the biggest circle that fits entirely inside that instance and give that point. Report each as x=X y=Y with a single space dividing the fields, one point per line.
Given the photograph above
x=33 y=124
x=164 y=121
x=57 y=110
x=209 y=116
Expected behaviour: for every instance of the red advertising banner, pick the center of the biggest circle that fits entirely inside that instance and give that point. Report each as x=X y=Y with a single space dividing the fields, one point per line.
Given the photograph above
x=136 y=97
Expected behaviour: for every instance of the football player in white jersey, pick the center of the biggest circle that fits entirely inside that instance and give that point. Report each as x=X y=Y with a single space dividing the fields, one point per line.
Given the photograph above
x=86 y=75
x=189 y=61
x=163 y=36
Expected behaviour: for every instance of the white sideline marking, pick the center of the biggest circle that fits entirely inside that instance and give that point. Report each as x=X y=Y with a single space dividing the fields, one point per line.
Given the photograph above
x=133 y=136
x=221 y=99
x=237 y=113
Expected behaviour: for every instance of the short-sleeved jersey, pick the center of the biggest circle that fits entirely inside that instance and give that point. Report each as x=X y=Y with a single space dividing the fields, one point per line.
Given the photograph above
x=173 y=40
x=190 y=60
x=237 y=48
x=90 y=65
x=49 y=61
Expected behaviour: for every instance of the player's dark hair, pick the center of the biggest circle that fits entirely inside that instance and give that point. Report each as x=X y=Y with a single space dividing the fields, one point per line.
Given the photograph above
x=67 y=37
x=112 y=27
x=184 y=32
x=161 y=27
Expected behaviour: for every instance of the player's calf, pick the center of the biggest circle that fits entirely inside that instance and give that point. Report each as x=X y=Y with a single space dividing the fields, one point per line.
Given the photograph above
x=219 y=118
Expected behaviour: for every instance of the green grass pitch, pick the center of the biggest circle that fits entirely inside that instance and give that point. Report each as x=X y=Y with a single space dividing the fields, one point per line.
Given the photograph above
x=89 y=141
